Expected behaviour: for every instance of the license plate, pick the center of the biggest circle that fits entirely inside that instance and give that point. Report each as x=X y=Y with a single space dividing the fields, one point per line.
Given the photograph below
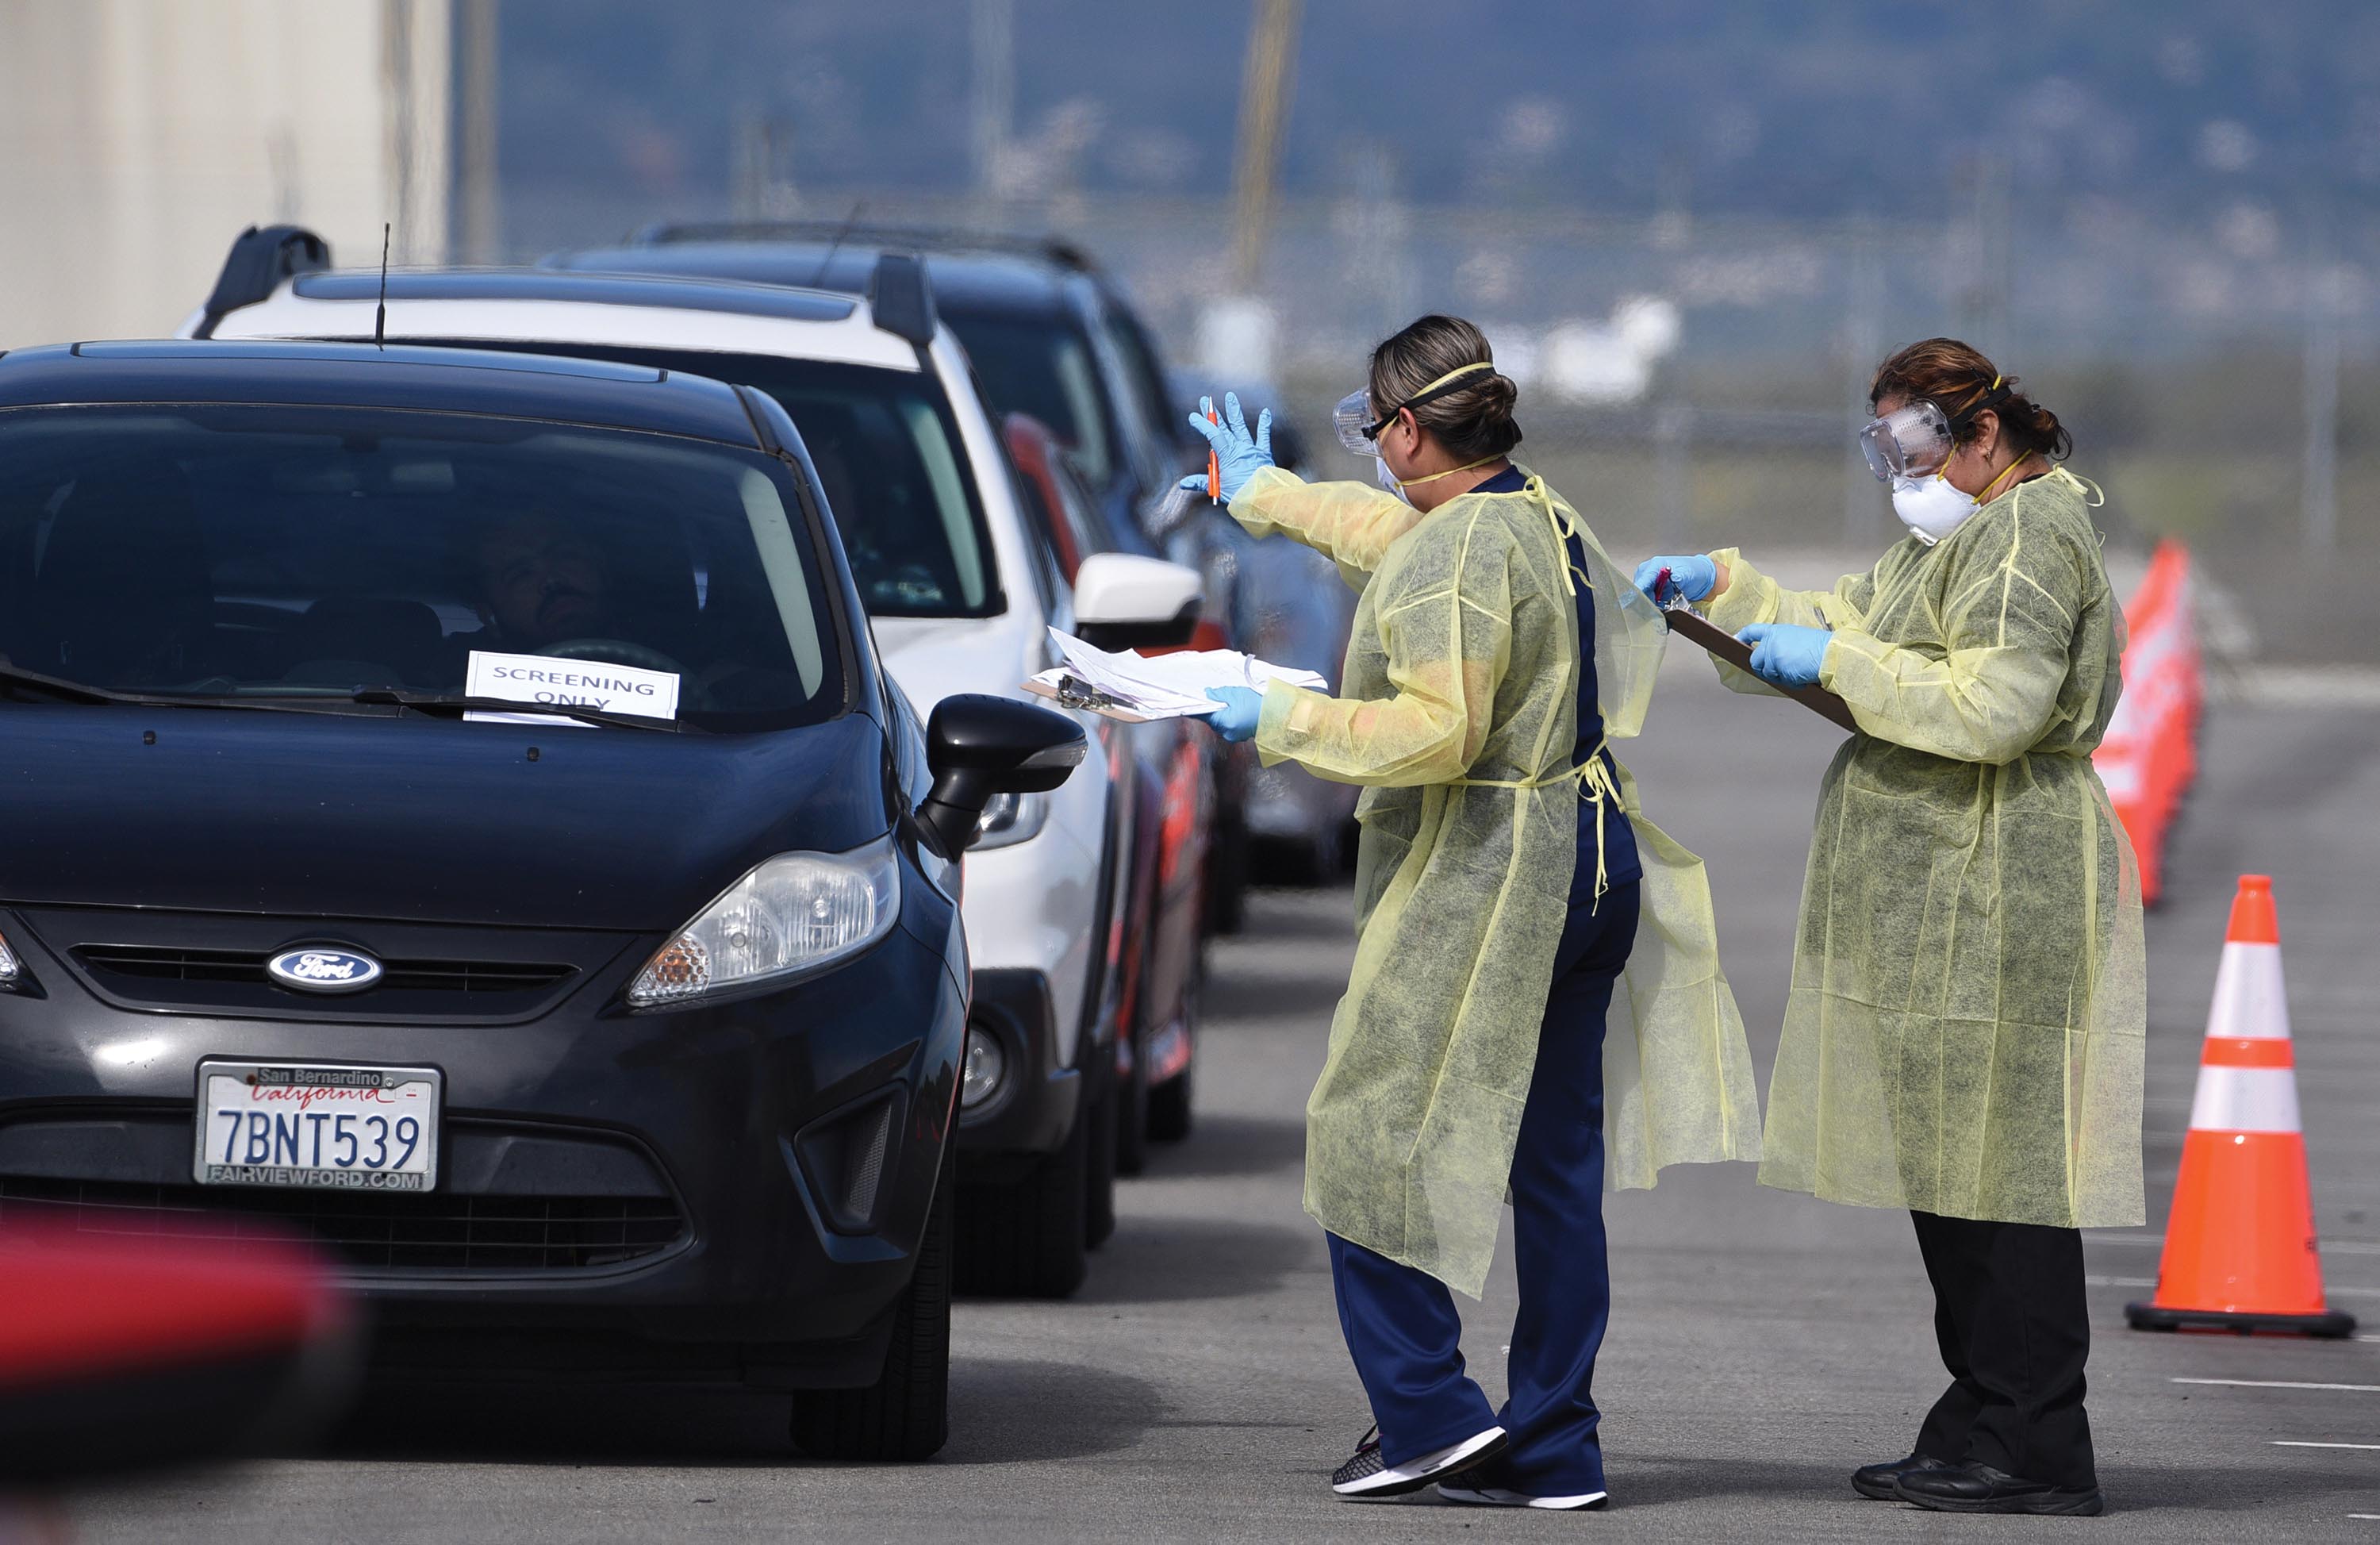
x=315 y=1126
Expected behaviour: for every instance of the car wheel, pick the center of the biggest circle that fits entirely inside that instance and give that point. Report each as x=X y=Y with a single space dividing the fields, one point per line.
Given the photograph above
x=1027 y=1239
x=905 y=1413
x=1169 y=1108
x=1227 y=877
x=1099 y=1172
x=1132 y=1112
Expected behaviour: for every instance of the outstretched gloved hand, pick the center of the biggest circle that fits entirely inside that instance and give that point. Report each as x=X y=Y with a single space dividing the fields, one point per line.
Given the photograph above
x=1238 y=453
x=1691 y=577
x=1785 y=655
x=1236 y=712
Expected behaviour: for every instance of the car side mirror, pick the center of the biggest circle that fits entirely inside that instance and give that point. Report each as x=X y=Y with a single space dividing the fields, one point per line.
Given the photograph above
x=978 y=747
x=1125 y=601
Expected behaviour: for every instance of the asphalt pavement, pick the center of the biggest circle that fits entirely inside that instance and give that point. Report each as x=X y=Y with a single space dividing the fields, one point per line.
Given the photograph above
x=1761 y=1345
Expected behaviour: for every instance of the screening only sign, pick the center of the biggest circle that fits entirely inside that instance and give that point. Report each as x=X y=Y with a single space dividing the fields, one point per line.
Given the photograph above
x=541 y=678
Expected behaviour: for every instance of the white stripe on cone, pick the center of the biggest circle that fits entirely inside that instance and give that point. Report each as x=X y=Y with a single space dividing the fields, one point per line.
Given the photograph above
x=2245 y=1100
x=2249 y=1003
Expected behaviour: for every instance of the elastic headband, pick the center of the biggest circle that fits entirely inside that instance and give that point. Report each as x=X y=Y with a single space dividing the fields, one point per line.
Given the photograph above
x=1990 y=397
x=1443 y=386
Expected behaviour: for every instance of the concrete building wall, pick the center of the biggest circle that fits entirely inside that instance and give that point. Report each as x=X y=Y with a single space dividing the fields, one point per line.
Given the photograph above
x=140 y=136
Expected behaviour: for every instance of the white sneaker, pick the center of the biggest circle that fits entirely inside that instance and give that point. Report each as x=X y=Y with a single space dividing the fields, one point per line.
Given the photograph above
x=1366 y=1475
x=1496 y=1496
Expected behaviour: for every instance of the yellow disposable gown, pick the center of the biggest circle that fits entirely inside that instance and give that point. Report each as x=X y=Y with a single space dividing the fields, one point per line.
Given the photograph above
x=1967 y=1020
x=1460 y=714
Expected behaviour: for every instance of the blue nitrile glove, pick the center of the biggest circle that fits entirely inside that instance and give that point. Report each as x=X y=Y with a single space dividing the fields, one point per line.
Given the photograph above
x=1236 y=712
x=1238 y=453
x=1786 y=655
x=1691 y=577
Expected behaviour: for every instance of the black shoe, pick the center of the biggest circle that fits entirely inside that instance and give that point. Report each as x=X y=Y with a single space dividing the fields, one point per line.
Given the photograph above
x=1981 y=1488
x=1365 y=1474
x=1883 y=1481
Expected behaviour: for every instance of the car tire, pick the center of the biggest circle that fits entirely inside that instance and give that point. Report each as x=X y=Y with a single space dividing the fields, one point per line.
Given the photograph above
x=904 y=1415
x=1099 y=1174
x=1028 y=1239
x=1169 y=1108
x=1131 y=1111
x=1227 y=877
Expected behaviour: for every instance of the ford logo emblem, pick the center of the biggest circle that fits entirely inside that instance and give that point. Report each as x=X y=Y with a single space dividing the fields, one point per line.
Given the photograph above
x=317 y=969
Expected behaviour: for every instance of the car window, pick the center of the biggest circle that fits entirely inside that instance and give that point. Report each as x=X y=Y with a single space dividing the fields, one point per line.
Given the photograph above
x=1048 y=580
x=1080 y=512
x=1146 y=376
x=888 y=455
x=1045 y=368
x=307 y=552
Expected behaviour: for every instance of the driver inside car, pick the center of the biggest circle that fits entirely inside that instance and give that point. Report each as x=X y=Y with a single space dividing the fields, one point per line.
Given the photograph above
x=541 y=584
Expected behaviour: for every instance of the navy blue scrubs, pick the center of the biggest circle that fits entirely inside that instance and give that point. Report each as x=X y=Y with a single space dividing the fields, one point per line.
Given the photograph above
x=1400 y=1323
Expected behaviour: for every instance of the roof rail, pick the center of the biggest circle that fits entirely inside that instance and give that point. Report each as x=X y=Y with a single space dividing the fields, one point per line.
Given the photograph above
x=1057 y=250
x=901 y=298
x=261 y=257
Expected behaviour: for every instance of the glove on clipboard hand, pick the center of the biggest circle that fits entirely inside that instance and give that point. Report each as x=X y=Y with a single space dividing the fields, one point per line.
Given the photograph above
x=1786 y=654
x=1736 y=652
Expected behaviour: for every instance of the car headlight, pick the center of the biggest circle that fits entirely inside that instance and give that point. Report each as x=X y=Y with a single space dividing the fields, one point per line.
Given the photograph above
x=795 y=914
x=985 y=1065
x=1010 y=818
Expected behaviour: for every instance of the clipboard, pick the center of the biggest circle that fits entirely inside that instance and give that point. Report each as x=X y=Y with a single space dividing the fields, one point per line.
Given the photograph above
x=1736 y=652
x=1090 y=699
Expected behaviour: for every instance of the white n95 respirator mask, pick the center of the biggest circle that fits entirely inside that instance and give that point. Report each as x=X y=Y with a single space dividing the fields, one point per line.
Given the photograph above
x=1930 y=506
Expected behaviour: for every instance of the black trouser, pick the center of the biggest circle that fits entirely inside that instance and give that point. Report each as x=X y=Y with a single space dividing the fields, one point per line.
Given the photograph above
x=2010 y=1314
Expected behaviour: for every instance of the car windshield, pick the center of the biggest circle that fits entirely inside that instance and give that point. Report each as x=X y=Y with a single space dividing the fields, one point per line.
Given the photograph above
x=1043 y=368
x=288 y=552
x=889 y=457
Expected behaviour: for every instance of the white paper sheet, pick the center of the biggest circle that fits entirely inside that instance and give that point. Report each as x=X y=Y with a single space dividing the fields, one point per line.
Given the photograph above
x=1168 y=686
x=538 y=678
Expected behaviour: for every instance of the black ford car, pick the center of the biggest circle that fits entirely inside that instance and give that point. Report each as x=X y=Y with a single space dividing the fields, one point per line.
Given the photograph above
x=453 y=810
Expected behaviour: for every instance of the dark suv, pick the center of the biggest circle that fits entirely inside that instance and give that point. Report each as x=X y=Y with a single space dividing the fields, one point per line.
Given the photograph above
x=455 y=810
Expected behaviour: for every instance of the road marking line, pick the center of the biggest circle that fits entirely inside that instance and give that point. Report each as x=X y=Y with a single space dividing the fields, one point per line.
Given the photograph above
x=2292 y=1442
x=2334 y=1246
x=2120 y=1281
x=2282 y=1384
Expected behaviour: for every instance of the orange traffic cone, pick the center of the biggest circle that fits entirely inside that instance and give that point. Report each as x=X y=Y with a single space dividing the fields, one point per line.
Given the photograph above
x=2239 y=1250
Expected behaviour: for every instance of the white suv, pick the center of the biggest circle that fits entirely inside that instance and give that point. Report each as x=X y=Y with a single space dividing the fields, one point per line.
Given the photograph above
x=961 y=595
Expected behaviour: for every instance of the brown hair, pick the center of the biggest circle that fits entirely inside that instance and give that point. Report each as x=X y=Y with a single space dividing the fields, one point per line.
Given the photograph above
x=1961 y=382
x=1473 y=423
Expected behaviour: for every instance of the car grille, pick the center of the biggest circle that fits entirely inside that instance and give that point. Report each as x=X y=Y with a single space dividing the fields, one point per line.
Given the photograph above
x=150 y=964
x=369 y=1231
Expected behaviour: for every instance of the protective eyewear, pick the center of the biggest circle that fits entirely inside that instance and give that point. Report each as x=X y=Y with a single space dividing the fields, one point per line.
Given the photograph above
x=1909 y=442
x=1358 y=427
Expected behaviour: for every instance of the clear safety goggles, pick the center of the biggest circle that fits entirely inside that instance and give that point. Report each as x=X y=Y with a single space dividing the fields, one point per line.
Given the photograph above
x=1358 y=427
x=1907 y=443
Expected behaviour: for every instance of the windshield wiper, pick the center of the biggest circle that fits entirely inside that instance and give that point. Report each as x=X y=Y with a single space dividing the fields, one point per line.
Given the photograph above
x=431 y=702
x=61 y=689
x=20 y=680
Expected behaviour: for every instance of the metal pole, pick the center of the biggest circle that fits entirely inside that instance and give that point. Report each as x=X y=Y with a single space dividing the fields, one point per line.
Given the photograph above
x=396 y=81
x=2319 y=485
x=1264 y=104
x=1673 y=428
x=482 y=237
x=995 y=91
x=1863 y=339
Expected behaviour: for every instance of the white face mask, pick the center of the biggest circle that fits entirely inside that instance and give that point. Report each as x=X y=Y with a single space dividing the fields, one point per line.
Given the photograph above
x=1930 y=506
x=1388 y=479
